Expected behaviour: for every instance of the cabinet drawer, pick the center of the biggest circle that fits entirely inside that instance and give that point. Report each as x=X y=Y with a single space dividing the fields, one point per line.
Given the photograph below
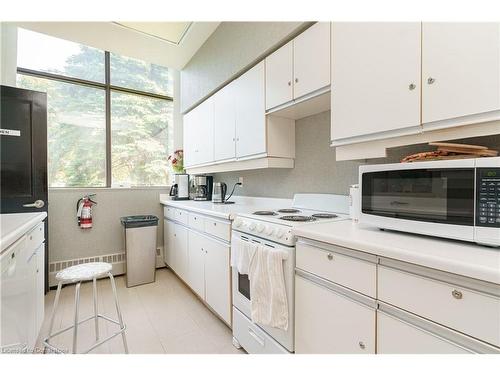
x=168 y=212
x=218 y=229
x=471 y=312
x=181 y=216
x=253 y=339
x=196 y=222
x=333 y=264
x=329 y=322
x=404 y=333
x=35 y=237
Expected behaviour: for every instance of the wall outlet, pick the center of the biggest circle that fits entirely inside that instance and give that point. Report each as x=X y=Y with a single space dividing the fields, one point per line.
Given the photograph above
x=240 y=180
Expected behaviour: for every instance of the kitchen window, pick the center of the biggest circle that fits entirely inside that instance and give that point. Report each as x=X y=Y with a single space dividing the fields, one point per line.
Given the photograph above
x=110 y=117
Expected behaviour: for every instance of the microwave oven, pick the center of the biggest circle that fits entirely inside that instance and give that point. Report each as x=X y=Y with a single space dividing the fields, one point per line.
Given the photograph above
x=457 y=199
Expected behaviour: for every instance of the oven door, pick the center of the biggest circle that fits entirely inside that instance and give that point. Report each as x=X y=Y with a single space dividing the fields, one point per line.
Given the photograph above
x=433 y=201
x=242 y=295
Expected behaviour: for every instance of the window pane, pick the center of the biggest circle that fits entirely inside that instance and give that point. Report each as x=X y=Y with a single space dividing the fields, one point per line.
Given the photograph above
x=141 y=135
x=53 y=55
x=76 y=132
x=140 y=75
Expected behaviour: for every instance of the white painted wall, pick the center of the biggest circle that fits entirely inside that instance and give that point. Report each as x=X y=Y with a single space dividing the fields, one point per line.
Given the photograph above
x=8 y=52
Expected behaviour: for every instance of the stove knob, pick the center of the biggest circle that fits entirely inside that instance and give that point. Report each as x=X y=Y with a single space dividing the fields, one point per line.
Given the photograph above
x=238 y=223
x=260 y=228
x=251 y=226
x=269 y=231
x=280 y=233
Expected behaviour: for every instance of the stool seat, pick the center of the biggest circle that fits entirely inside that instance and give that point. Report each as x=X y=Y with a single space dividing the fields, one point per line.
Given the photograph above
x=84 y=272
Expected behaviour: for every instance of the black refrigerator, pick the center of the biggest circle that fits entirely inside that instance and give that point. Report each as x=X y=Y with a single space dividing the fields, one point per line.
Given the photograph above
x=23 y=155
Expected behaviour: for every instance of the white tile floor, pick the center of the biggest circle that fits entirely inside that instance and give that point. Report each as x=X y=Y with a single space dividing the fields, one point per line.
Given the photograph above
x=162 y=317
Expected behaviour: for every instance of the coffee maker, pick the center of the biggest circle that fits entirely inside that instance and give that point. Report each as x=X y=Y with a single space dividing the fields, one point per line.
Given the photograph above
x=202 y=188
x=180 y=188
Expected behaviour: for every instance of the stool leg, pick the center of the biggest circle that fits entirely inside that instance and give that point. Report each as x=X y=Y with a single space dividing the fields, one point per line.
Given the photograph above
x=77 y=306
x=95 y=311
x=54 y=309
x=112 y=279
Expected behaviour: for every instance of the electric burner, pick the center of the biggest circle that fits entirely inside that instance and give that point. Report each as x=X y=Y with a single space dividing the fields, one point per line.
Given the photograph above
x=264 y=213
x=288 y=210
x=297 y=218
x=324 y=216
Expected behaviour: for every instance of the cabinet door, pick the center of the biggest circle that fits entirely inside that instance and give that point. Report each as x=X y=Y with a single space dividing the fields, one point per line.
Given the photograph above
x=32 y=281
x=168 y=242
x=279 y=76
x=397 y=337
x=181 y=251
x=217 y=278
x=311 y=59
x=40 y=288
x=224 y=123
x=327 y=322
x=375 y=78
x=204 y=132
x=196 y=268
x=460 y=69
x=189 y=140
x=250 y=113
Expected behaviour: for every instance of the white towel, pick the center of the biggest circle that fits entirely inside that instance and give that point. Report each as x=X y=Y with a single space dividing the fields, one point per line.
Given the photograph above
x=241 y=254
x=267 y=287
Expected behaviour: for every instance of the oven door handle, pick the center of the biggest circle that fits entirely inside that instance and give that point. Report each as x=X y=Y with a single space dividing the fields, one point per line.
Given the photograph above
x=254 y=335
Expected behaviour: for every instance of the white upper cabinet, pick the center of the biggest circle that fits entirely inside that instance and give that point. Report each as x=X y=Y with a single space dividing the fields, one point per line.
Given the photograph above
x=225 y=123
x=311 y=59
x=199 y=134
x=187 y=138
x=279 y=76
x=375 y=79
x=204 y=133
x=250 y=112
x=460 y=69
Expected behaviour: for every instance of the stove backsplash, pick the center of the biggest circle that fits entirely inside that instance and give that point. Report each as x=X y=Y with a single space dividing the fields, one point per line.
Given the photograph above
x=316 y=170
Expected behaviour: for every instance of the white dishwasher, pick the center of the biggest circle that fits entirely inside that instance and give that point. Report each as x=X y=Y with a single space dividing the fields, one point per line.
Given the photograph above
x=15 y=295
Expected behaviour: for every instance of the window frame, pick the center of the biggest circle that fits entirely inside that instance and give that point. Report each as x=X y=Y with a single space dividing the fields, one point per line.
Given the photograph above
x=108 y=88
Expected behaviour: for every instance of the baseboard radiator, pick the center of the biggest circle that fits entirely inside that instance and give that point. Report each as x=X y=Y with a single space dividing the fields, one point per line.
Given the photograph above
x=117 y=260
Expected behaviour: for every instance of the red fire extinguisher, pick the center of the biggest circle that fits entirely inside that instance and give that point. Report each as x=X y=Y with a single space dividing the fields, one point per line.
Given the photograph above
x=84 y=211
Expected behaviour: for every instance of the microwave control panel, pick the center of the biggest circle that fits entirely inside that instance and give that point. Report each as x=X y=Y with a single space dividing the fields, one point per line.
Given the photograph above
x=488 y=197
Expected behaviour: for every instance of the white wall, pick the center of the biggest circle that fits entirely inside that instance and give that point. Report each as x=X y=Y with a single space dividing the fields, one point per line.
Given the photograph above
x=8 y=49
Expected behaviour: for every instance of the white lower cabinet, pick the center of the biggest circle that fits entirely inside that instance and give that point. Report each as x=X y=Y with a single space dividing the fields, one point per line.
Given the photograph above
x=218 y=277
x=198 y=252
x=196 y=279
x=181 y=257
x=330 y=319
x=168 y=242
x=400 y=332
x=40 y=288
x=22 y=291
x=209 y=272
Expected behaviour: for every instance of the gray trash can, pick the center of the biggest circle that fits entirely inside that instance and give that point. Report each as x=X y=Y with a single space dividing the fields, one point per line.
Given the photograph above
x=140 y=248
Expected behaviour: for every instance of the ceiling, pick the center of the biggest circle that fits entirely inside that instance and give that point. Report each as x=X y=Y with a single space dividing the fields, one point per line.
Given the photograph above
x=172 y=32
x=170 y=44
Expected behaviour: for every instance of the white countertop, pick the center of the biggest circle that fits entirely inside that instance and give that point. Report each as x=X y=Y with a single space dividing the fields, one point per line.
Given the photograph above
x=13 y=226
x=227 y=211
x=467 y=259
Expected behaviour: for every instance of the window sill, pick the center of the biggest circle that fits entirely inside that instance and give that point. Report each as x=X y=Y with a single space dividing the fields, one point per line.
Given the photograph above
x=86 y=189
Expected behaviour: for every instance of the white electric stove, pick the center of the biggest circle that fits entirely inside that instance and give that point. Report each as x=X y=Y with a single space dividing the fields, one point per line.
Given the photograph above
x=273 y=228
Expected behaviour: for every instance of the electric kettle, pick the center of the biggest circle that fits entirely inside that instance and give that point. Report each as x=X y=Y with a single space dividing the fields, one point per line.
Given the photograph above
x=219 y=192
